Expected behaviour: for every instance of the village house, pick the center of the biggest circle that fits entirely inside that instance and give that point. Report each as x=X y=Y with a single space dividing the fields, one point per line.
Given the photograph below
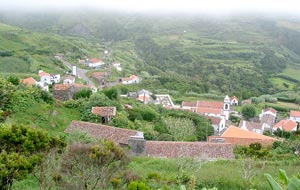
x=67 y=91
x=100 y=77
x=218 y=123
x=144 y=96
x=94 y=63
x=133 y=79
x=106 y=113
x=238 y=136
x=234 y=101
x=69 y=79
x=117 y=66
x=30 y=81
x=286 y=125
x=295 y=115
x=55 y=78
x=253 y=126
x=44 y=77
x=209 y=108
x=164 y=149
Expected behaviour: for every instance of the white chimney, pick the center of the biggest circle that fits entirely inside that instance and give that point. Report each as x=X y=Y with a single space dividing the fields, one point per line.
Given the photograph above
x=74 y=70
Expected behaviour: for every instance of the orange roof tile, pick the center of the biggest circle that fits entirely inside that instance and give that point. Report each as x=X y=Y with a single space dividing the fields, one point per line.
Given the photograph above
x=209 y=110
x=210 y=104
x=189 y=104
x=294 y=113
x=95 y=60
x=286 y=125
x=236 y=132
x=271 y=110
x=234 y=98
x=214 y=120
x=29 y=81
x=104 y=111
x=41 y=74
x=59 y=87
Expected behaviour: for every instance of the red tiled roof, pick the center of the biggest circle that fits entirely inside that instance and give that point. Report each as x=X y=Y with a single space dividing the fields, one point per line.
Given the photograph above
x=271 y=110
x=234 y=98
x=236 y=132
x=189 y=104
x=189 y=149
x=204 y=110
x=132 y=77
x=29 y=81
x=286 y=125
x=118 y=135
x=210 y=104
x=294 y=113
x=214 y=120
x=99 y=75
x=59 y=87
x=95 y=60
x=251 y=125
x=41 y=74
x=104 y=111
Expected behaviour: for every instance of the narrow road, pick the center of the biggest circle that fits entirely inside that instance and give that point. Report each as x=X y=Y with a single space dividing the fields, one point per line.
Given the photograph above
x=80 y=72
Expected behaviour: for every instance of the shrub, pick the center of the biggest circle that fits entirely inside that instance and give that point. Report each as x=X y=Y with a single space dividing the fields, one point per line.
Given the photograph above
x=135 y=185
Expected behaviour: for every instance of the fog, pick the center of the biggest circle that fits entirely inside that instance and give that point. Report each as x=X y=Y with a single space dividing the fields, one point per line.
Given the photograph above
x=159 y=6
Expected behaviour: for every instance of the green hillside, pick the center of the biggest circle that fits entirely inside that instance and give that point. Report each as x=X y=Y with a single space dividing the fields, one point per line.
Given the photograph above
x=245 y=56
x=23 y=52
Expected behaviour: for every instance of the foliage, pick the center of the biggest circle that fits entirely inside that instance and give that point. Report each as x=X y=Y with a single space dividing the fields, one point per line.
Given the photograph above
x=122 y=121
x=181 y=129
x=112 y=93
x=248 y=111
x=135 y=185
x=91 y=166
x=83 y=93
x=254 y=150
x=285 y=183
x=22 y=148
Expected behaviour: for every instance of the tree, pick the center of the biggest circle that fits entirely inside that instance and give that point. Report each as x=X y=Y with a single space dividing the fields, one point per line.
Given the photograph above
x=84 y=93
x=182 y=129
x=248 y=111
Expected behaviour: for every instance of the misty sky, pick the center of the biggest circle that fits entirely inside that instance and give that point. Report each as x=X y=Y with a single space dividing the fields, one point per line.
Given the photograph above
x=204 y=6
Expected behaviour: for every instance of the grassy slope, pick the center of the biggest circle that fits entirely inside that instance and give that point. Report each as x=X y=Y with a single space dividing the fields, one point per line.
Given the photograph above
x=31 y=51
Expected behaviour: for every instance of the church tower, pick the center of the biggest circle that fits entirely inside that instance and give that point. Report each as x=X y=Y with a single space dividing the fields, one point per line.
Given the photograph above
x=226 y=107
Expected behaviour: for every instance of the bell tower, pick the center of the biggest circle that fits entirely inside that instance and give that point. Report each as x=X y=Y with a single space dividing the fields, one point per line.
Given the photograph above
x=226 y=107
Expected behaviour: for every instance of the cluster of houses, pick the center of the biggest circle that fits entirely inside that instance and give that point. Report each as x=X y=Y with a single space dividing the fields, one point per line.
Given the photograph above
x=64 y=88
x=96 y=63
x=46 y=79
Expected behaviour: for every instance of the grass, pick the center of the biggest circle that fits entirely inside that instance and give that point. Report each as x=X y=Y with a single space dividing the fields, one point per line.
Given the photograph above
x=293 y=71
x=282 y=84
x=55 y=119
x=221 y=174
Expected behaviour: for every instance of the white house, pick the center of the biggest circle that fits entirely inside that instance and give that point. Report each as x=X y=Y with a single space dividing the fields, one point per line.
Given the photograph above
x=295 y=115
x=286 y=125
x=44 y=77
x=268 y=111
x=218 y=123
x=55 y=78
x=69 y=80
x=117 y=66
x=94 y=63
x=133 y=79
x=43 y=85
x=234 y=101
